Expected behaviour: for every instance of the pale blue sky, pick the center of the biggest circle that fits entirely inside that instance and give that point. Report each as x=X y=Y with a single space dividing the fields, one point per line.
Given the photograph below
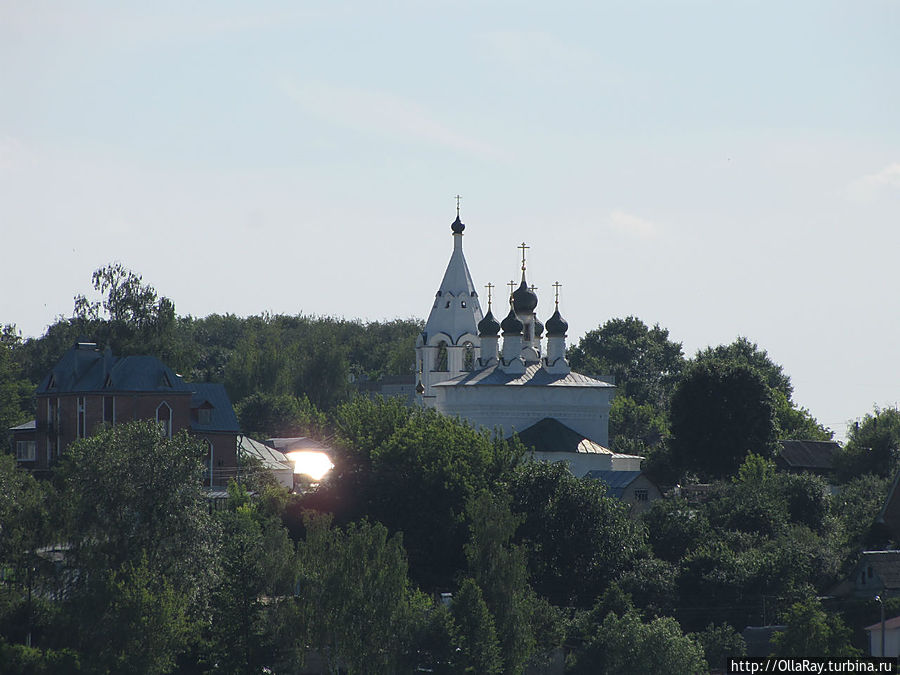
x=722 y=168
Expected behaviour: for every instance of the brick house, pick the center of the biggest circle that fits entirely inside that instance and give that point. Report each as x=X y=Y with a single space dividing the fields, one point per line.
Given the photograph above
x=88 y=388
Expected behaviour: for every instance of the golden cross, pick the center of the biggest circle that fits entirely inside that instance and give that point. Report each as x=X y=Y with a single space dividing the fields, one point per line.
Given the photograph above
x=557 y=286
x=489 y=286
x=457 y=206
x=523 y=247
x=512 y=285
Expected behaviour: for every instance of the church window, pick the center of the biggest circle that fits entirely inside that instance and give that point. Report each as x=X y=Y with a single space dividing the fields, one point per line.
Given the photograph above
x=441 y=362
x=468 y=356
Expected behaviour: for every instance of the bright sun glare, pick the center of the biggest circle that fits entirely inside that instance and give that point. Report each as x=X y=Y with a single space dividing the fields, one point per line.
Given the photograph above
x=313 y=464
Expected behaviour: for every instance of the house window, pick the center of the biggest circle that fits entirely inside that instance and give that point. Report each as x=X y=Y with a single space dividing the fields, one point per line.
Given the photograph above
x=109 y=410
x=204 y=415
x=26 y=451
x=164 y=417
x=81 y=420
x=640 y=495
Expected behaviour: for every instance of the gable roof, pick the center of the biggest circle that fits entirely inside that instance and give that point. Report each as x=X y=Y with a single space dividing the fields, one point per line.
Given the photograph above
x=551 y=435
x=890 y=624
x=818 y=455
x=534 y=376
x=295 y=444
x=84 y=369
x=213 y=394
x=886 y=564
x=616 y=481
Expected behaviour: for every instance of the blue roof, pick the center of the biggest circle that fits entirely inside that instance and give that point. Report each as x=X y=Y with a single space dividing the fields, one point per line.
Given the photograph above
x=616 y=481
x=84 y=368
x=213 y=394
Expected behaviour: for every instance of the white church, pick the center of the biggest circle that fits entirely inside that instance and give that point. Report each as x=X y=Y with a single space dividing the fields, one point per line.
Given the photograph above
x=523 y=385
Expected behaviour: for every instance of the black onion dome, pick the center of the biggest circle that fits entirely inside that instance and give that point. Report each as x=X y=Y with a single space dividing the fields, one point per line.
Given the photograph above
x=511 y=324
x=488 y=326
x=556 y=325
x=524 y=299
x=457 y=225
x=538 y=327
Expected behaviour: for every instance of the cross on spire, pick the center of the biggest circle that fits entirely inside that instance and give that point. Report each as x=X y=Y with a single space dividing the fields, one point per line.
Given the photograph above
x=533 y=288
x=457 y=206
x=524 y=247
x=557 y=286
x=512 y=285
x=490 y=287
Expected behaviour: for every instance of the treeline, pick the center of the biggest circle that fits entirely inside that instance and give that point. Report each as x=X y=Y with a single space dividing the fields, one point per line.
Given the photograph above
x=117 y=565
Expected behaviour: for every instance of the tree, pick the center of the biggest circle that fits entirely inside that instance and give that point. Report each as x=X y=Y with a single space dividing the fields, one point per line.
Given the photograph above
x=16 y=392
x=633 y=428
x=355 y=604
x=414 y=471
x=499 y=569
x=266 y=415
x=792 y=421
x=743 y=352
x=873 y=446
x=136 y=321
x=645 y=363
x=811 y=631
x=720 y=643
x=625 y=644
x=257 y=572
x=479 y=650
x=578 y=539
x=720 y=413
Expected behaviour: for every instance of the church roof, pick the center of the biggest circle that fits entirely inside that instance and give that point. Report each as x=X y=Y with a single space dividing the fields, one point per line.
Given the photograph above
x=551 y=435
x=456 y=310
x=534 y=376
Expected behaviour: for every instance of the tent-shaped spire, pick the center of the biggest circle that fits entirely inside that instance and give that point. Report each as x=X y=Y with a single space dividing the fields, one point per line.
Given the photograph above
x=456 y=310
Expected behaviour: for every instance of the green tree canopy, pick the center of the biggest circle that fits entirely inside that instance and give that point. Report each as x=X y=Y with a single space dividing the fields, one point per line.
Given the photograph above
x=873 y=446
x=720 y=413
x=577 y=537
x=645 y=363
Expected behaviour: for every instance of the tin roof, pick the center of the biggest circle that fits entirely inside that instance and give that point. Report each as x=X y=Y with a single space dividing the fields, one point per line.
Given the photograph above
x=809 y=454
x=551 y=435
x=213 y=394
x=534 y=376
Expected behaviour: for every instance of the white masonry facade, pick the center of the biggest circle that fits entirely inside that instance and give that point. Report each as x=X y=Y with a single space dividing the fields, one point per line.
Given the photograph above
x=463 y=368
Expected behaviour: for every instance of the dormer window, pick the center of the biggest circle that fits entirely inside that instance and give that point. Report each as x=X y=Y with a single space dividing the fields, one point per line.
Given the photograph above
x=164 y=380
x=204 y=415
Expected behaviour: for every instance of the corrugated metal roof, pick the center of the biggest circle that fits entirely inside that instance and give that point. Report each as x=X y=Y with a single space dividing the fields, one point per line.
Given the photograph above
x=294 y=444
x=534 y=376
x=270 y=457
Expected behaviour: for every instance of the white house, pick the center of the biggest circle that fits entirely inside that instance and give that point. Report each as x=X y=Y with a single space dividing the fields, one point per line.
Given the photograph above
x=891 y=638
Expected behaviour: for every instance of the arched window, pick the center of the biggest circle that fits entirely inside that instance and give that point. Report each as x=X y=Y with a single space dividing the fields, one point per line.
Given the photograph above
x=468 y=356
x=164 y=417
x=440 y=363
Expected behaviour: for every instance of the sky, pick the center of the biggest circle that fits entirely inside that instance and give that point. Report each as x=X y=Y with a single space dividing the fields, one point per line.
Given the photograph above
x=718 y=168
